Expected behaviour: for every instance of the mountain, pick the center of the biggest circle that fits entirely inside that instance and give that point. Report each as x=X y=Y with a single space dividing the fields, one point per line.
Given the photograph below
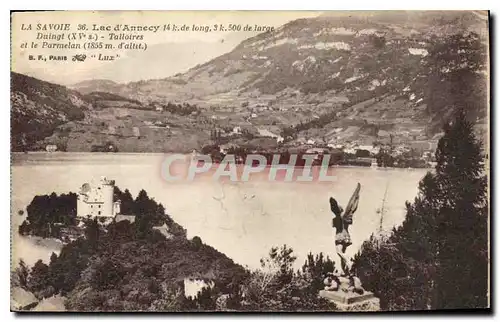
x=38 y=107
x=371 y=71
x=44 y=113
x=96 y=85
x=363 y=78
x=105 y=99
x=159 y=61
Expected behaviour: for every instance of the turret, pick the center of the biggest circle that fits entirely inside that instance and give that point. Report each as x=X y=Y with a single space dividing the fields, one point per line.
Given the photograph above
x=106 y=192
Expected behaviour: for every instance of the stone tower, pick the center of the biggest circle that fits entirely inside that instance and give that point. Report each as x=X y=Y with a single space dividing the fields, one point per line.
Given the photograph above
x=97 y=201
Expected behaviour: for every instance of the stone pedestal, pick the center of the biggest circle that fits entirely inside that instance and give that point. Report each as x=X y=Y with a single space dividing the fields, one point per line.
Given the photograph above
x=348 y=294
x=350 y=301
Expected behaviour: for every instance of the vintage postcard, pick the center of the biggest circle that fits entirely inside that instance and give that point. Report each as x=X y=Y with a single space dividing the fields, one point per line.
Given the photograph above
x=236 y=161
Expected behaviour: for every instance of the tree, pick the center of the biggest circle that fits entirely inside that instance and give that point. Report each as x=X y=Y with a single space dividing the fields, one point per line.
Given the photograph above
x=205 y=299
x=276 y=287
x=92 y=233
x=384 y=158
x=280 y=262
x=121 y=232
x=143 y=226
x=129 y=206
x=439 y=257
x=316 y=268
x=362 y=153
x=22 y=272
x=39 y=278
x=127 y=203
x=462 y=279
x=456 y=80
x=106 y=274
x=65 y=271
x=197 y=242
x=45 y=211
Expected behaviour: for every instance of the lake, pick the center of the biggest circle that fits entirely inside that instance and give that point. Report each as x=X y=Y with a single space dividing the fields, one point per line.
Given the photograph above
x=241 y=219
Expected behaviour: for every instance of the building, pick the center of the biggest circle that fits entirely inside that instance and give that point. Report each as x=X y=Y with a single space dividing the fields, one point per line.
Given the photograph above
x=51 y=148
x=136 y=131
x=224 y=148
x=193 y=286
x=317 y=151
x=97 y=201
x=237 y=130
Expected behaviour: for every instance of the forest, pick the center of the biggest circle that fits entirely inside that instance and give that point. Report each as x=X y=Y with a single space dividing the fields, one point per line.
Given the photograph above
x=134 y=267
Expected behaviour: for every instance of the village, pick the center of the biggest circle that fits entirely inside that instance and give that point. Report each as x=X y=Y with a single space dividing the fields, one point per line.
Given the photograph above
x=251 y=126
x=387 y=149
x=387 y=152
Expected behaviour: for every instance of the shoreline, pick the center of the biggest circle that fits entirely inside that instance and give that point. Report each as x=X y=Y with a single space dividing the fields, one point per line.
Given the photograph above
x=17 y=157
x=241 y=213
x=39 y=249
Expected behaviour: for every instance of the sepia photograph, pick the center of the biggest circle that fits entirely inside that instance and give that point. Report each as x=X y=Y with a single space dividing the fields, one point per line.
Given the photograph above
x=250 y=161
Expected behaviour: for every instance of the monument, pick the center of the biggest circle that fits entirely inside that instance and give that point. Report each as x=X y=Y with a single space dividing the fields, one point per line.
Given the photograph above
x=344 y=289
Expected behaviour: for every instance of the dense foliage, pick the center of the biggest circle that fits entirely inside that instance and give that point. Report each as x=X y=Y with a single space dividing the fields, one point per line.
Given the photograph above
x=46 y=214
x=439 y=257
x=179 y=109
x=117 y=269
x=38 y=107
x=409 y=159
x=95 y=97
x=276 y=287
x=106 y=147
x=135 y=267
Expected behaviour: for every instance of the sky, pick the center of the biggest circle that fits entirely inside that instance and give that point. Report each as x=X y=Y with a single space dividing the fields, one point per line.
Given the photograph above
x=168 y=53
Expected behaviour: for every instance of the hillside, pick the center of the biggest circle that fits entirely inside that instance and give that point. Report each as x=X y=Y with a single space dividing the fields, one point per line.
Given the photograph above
x=310 y=67
x=96 y=85
x=122 y=265
x=38 y=107
x=148 y=264
x=44 y=114
x=327 y=80
x=105 y=99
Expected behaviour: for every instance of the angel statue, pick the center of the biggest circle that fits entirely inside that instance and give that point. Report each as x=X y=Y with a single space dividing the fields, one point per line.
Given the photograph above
x=341 y=222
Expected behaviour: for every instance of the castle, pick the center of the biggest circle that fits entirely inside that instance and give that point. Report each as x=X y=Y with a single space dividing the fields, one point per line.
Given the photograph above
x=97 y=201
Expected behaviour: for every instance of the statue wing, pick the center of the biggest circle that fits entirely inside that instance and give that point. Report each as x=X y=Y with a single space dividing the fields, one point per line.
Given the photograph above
x=352 y=206
x=334 y=206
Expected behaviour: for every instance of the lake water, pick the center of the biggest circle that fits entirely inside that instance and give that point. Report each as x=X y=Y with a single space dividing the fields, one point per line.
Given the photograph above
x=243 y=220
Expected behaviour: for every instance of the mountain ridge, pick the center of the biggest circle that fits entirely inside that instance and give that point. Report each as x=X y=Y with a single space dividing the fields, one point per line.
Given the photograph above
x=361 y=77
x=38 y=107
x=314 y=65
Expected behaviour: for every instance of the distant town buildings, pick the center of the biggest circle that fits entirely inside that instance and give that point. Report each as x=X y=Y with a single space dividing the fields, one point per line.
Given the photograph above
x=224 y=148
x=237 y=130
x=136 y=131
x=267 y=133
x=51 y=148
x=311 y=141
